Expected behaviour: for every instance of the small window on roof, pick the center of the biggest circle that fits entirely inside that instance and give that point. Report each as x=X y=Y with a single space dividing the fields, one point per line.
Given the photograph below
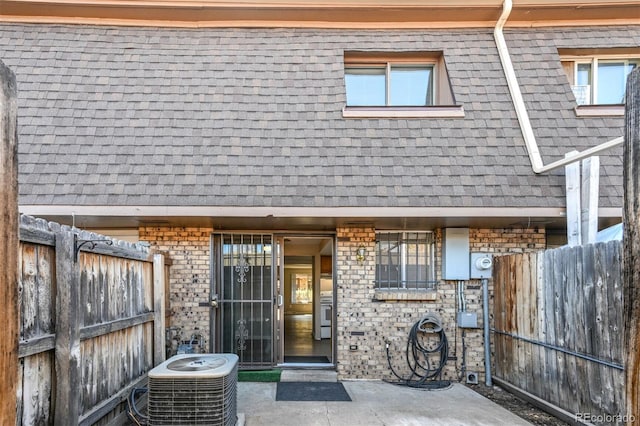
x=397 y=84
x=389 y=84
x=599 y=79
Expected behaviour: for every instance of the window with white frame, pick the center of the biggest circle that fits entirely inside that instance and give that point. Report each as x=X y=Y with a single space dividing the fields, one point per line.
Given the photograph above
x=599 y=80
x=405 y=261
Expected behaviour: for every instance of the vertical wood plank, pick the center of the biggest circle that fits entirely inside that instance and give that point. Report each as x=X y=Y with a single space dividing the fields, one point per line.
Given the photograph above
x=158 y=321
x=519 y=312
x=541 y=315
x=603 y=335
x=531 y=351
x=571 y=262
x=68 y=330
x=592 y=338
x=37 y=389
x=614 y=321
x=586 y=271
x=9 y=245
x=560 y=280
x=550 y=311
x=496 y=320
x=29 y=301
x=20 y=393
x=46 y=299
x=631 y=213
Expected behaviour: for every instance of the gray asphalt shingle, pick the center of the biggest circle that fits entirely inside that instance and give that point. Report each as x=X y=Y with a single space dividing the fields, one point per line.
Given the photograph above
x=225 y=117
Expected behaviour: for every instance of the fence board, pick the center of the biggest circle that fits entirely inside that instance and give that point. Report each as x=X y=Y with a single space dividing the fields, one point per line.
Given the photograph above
x=8 y=244
x=37 y=389
x=553 y=381
x=566 y=328
x=87 y=325
x=613 y=255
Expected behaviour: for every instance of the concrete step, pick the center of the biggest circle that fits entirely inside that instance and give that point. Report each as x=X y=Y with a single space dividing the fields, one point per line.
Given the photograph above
x=290 y=375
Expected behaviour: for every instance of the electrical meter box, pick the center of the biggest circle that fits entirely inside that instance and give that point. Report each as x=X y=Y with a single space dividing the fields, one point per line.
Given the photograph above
x=481 y=265
x=455 y=254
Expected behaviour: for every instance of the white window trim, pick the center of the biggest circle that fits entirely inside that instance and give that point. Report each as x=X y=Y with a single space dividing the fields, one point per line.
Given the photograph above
x=614 y=110
x=593 y=60
x=435 y=111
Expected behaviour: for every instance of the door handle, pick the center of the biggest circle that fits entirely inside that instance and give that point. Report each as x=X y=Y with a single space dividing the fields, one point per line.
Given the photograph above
x=214 y=301
x=280 y=300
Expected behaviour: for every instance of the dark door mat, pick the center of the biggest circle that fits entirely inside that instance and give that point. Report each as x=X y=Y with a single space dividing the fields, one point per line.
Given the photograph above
x=306 y=359
x=311 y=391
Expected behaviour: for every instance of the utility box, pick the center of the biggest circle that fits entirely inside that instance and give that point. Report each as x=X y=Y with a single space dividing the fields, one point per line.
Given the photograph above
x=481 y=265
x=467 y=320
x=455 y=254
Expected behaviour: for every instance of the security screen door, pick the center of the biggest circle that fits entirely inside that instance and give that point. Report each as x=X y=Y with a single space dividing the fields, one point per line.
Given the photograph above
x=242 y=282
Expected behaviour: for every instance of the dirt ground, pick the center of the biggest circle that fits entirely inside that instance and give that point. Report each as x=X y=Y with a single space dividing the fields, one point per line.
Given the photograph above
x=517 y=406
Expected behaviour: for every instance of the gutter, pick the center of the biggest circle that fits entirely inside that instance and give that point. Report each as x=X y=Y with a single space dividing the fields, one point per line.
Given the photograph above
x=521 y=111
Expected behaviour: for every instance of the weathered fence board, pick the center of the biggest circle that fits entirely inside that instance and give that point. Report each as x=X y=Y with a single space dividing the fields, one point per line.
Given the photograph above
x=631 y=216
x=562 y=342
x=87 y=325
x=8 y=244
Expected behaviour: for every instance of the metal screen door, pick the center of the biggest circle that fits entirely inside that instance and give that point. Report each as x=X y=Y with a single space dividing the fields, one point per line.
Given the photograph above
x=242 y=283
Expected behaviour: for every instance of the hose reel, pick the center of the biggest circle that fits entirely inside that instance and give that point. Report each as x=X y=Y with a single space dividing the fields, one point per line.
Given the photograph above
x=426 y=354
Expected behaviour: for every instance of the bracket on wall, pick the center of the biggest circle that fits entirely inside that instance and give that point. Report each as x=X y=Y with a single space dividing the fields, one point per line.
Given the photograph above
x=91 y=244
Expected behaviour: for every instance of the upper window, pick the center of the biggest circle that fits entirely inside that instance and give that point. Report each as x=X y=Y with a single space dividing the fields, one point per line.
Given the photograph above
x=398 y=84
x=599 y=80
x=405 y=260
x=389 y=84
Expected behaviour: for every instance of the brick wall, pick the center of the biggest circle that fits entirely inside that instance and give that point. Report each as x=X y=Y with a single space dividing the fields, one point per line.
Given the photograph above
x=189 y=251
x=364 y=325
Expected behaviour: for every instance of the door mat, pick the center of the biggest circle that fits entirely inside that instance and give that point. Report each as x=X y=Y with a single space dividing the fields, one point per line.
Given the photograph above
x=272 y=375
x=306 y=359
x=311 y=391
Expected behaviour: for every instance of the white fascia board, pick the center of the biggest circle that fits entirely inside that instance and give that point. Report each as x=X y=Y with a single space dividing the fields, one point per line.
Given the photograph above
x=333 y=212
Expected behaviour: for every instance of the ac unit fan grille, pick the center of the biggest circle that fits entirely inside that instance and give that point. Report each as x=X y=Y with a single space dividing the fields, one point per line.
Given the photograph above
x=193 y=401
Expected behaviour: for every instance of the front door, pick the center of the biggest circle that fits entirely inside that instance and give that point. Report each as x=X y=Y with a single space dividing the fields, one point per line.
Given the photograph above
x=243 y=286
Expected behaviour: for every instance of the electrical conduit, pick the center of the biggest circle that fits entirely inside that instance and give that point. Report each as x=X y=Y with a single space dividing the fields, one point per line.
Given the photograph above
x=521 y=111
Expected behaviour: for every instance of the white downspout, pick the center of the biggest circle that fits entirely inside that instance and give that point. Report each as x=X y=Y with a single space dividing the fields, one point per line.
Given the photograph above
x=521 y=111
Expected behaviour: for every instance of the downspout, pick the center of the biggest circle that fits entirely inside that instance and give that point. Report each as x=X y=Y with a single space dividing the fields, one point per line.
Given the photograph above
x=521 y=111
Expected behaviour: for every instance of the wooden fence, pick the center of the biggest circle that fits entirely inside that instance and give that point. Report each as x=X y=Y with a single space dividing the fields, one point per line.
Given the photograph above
x=8 y=243
x=558 y=329
x=91 y=324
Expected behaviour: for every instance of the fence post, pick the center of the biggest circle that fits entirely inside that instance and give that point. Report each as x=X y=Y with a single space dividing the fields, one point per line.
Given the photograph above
x=9 y=244
x=631 y=265
x=68 y=377
x=159 y=349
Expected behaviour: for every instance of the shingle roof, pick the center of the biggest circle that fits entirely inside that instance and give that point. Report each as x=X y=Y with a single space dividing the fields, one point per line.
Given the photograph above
x=252 y=117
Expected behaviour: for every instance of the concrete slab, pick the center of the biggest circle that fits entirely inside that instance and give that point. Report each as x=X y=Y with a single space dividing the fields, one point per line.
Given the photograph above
x=309 y=376
x=374 y=403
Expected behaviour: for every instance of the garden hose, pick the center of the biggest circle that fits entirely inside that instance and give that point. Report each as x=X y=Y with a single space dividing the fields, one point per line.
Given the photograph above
x=425 y=356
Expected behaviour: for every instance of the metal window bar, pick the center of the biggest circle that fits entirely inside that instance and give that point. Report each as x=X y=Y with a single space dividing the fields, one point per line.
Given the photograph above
x=405 y=260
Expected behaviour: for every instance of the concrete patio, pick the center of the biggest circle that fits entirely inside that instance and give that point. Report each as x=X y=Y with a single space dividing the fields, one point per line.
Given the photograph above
x=373 y=403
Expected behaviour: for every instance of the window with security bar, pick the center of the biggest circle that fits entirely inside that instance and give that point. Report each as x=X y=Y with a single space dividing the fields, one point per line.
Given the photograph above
x=405 y=261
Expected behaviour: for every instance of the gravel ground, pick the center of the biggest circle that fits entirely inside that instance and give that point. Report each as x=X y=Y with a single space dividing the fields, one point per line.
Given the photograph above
x=517 y=406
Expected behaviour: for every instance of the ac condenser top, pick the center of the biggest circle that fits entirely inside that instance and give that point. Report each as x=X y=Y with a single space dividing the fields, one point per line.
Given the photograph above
x=195 y=366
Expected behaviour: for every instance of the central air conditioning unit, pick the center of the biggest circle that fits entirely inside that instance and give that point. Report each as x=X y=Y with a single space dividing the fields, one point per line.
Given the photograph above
x=194 y=389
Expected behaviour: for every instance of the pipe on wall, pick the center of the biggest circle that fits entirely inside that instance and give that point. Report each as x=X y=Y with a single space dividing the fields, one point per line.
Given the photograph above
x=521 y=111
